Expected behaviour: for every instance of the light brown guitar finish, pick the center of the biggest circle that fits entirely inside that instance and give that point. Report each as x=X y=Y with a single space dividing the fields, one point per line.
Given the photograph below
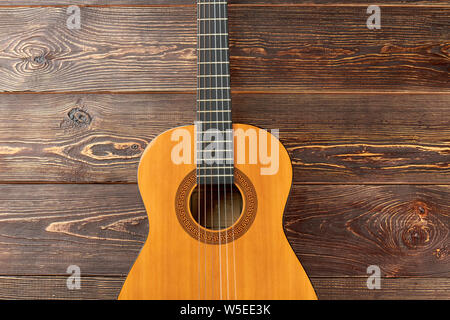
x=173 y=265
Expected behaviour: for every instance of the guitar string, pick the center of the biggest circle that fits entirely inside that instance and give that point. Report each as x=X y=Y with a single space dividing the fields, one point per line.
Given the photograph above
x=216 y=65
x=231 y=138
x=210 y=116
x=196 y=146
x=199 y=217
x=221 y=17
x=206 y=96
x=208 y=120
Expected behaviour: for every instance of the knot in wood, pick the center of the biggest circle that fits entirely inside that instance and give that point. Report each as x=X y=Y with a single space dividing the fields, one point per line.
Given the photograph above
x=416 y=236
x=40 y=59
x=440 y=253
x=421 y=209
x=79 y=117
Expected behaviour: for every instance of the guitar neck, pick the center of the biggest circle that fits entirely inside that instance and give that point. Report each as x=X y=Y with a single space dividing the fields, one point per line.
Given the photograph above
x=213 y=93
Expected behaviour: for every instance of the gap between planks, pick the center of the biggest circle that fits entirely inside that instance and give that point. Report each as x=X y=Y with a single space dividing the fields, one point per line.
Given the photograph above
x=193 y=92
x=293 y=183
x=406 y=5
x=118 y=275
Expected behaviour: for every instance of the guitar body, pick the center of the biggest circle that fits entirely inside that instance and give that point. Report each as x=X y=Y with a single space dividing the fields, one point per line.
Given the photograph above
x=257 y=262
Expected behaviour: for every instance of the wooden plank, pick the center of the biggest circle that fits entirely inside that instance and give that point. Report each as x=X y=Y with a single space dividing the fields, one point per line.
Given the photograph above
x=100 y=287
x=332 y=138
x=328 y=48
x=122 y=49
x=46 y=228
x=353 y=288
x=55 y=288
x=79 y=137
x=334 y=230
x=285 y=48
x=191 y=3
x=342 y=230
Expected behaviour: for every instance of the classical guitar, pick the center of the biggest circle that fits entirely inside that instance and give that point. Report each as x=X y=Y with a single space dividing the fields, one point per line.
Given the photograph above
x=215 y=193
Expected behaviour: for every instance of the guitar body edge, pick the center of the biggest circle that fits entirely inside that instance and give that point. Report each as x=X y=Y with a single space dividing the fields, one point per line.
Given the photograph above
x=172 y=265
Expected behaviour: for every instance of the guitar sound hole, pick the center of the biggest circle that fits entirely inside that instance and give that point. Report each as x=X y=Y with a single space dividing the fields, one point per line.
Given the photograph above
x=216 y=207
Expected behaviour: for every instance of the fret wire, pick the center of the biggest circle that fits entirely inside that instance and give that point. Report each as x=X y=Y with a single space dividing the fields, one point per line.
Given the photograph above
x=219 y=159
x=210 y=62
x=214 y=121
x=214 y=111
x=201 y=151
x=212 y=19
x=206 y=49
x=212 y=76
x=230 y=168
x=214 y=88
x=212 y=34
x=215 y=175
x=209 y=132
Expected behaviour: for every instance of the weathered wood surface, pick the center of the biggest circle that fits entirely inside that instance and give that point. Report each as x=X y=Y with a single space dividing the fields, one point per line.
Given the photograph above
x=230 y=2
x=352 y=288
x=371 y=169
x=46 y=228
x=341 y=230
x=104 y=287
x=335 y=230
x=272 y=49
x=339 y=138
x=55 y=287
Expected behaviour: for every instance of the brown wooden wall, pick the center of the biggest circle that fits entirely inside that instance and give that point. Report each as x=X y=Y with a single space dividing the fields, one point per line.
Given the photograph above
x=365 y=115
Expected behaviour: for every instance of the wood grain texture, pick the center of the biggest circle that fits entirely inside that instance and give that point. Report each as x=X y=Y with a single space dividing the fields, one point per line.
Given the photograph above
x=46 y=228
x=55 y=288
x=334 y=230
x=341 y=230
x=104 y=287
x=153 y=48
x=353 y=288
x=73 y=137
x=338 y=138
x=230 y=2
x=316 y=46
x=135 y=48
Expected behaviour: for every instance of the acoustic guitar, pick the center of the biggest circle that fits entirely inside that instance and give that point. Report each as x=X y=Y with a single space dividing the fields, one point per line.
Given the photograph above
x=215 y=194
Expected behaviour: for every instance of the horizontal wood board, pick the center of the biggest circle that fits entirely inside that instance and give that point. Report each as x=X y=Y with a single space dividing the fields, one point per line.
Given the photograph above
x=272 y=48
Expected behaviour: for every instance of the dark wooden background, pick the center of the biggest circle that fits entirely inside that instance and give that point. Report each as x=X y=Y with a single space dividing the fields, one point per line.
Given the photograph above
x=365 y=115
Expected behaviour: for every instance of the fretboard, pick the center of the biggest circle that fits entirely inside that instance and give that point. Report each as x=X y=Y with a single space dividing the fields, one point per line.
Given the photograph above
x=214 y=136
